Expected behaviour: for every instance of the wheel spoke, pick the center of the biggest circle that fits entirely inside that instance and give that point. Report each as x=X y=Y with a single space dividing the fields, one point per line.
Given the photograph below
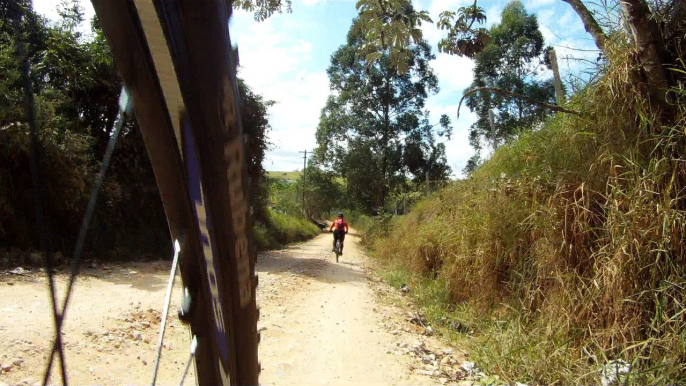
x=58 y=316
x=194 y=345
x=165 y=311
x=30 y=112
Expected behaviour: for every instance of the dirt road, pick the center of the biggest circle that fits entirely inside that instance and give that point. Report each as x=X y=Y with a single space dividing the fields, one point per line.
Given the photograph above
x=322 y=323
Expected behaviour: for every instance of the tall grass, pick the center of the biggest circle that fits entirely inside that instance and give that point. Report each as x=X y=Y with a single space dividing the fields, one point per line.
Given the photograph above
x=281 y=229
x=370 y=227
x=565 y=250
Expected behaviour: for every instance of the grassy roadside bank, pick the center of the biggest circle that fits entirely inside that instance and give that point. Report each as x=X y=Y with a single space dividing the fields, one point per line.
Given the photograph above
x=564 y=251
x=281 y=229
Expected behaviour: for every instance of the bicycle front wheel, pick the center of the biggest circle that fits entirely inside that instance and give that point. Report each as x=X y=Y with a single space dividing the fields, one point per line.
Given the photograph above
x=175 y=58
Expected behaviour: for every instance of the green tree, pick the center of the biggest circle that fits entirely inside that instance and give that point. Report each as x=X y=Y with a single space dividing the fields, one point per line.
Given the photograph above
x=512 y=60
x=374 y=130
x=323 y=191
x=424 y=157
x=255 y=118
x=389 y=27
x=285 y=196
x=263 y=9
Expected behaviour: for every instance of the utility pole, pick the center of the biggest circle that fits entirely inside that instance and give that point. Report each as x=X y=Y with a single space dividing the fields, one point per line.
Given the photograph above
x=492 y=123
x=304 y=172
x=556 y=77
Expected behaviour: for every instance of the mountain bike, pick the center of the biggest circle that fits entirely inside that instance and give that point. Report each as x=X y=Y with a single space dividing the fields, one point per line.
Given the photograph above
x=337 y=249
x=179 y=72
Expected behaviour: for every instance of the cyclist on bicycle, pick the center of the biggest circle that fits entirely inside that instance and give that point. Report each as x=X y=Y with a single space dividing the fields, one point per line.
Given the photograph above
x=339 y=233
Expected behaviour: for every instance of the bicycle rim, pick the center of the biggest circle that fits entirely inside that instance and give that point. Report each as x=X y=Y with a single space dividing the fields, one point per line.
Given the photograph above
x=182 y=81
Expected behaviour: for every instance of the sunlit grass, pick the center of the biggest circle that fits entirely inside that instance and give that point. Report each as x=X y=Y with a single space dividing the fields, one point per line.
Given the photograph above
x=292 y=176
x=282 y=229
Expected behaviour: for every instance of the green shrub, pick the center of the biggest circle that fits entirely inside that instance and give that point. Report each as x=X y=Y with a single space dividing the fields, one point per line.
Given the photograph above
x=67 y=168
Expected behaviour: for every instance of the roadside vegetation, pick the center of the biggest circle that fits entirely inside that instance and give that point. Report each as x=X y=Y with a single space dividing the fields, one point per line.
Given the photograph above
x=289 y=176
x=76 y=87
x=281 y=229
x=565 y=250
x=561 y=254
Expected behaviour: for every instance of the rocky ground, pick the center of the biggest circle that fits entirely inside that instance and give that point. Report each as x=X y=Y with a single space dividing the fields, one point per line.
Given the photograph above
x=322 y=323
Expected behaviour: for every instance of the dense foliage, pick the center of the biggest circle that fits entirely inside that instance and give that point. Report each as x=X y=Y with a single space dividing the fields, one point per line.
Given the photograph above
x=374 y=130
x=565 y=250
x=512 y=60
x=76 y=88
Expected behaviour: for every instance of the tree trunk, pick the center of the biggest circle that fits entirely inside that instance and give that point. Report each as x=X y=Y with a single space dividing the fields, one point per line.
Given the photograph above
x=559 y=92
x=648 y=42
x=646 y=35
x=590 y=23
x=384 y=140
x=384 y=160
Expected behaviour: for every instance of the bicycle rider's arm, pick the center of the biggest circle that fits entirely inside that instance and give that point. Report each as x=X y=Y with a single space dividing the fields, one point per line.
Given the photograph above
x=346 y=227
x=331 y=227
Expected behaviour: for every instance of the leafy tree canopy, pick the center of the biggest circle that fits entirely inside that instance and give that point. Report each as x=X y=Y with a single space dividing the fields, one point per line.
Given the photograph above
x=512 y=60
x=374 y=129
x=463 y=39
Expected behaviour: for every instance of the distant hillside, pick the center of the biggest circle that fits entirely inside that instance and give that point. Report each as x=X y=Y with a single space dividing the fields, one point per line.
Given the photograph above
x=284 y=175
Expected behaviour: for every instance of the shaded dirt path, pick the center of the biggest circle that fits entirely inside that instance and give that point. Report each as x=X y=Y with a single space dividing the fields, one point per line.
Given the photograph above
x=322 y=323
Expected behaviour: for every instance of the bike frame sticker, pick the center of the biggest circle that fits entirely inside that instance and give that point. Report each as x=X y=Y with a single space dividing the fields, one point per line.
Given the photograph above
x=209 y=251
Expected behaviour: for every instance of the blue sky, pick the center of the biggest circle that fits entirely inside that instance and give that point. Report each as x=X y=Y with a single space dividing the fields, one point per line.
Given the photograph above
x=285 y=58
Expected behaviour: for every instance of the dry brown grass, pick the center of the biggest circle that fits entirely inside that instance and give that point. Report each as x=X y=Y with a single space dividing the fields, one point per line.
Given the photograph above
x=574 y=258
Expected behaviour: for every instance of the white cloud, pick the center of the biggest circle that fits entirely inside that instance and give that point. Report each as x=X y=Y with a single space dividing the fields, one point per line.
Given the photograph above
x=312 y=2
x=280 y=63
x=296 y=114
x=438 y=6
x=547 y=33
x=494 y=13
x=567 y=24
x=458 y=150
x=575 y=50
x=454 y=72
x=265 y=55
x=48 y=8
x=454 y=75
x=280 y=160
x=272 y=65
x=532 y=4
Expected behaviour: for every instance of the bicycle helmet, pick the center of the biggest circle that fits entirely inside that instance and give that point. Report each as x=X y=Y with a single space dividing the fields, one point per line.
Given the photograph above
x=340 y=215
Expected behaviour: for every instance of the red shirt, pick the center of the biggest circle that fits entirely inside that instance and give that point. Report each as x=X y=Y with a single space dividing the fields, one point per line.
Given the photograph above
x=340 y=225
